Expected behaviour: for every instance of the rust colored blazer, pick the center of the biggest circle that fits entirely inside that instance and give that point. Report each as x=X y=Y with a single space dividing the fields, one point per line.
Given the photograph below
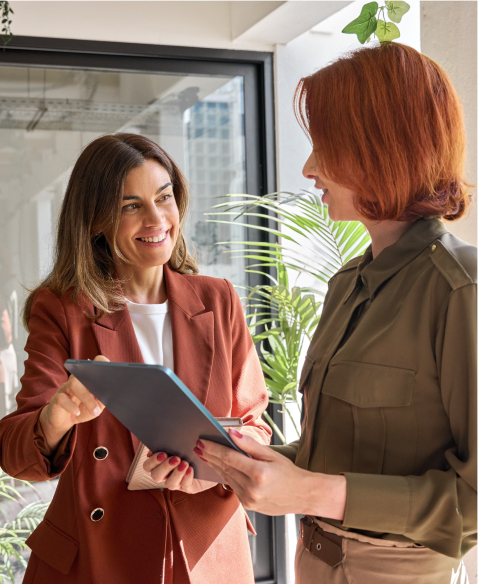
x=133 y=542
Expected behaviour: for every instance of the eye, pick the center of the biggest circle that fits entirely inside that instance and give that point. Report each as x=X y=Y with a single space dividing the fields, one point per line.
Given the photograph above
x=166 y=197
x=130 y=208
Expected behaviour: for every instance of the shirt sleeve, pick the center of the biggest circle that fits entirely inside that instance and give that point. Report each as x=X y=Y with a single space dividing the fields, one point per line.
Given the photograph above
x=437 y=509
x=23 y=451
x=287 y=450
x=249 y=388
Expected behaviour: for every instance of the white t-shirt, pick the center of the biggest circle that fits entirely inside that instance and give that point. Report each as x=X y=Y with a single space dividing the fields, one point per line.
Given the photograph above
x=152 y=325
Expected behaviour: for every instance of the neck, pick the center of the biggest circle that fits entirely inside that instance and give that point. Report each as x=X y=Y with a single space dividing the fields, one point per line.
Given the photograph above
x=385 y=233
x=143 y=286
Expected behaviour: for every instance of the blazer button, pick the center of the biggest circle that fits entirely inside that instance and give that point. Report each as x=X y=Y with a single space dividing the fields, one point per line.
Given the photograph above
x=97 y=514
x=100 y=453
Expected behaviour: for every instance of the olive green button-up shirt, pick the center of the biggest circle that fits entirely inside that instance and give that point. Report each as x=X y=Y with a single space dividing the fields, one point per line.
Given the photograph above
x=389 y=387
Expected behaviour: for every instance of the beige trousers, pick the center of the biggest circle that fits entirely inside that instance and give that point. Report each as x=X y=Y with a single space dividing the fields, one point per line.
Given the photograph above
x=378 y=561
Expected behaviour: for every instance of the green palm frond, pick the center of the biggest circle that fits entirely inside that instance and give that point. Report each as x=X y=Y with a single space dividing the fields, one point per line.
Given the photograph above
x=308 y=241
x=303 y=240
x=14 y=534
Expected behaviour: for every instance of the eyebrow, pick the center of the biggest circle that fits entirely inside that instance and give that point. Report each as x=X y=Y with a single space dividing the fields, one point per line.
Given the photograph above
x=136 y=198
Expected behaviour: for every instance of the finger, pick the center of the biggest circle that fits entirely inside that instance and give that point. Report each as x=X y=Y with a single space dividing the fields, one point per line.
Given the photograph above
x=187 y=480
x=161 y=472
x=154 y=460
x=251 y=446
x=77 y=389
x=64 y=401
x=226 y=460
x=101 y=358
x=173 y=482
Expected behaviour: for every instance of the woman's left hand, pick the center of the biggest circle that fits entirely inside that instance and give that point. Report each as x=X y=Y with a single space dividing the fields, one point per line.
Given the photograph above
x=271 y=484
x=174 y=473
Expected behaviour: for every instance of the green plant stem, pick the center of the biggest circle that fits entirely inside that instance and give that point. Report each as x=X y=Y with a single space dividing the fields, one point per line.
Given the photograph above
x=274 y=427
x=292 y=419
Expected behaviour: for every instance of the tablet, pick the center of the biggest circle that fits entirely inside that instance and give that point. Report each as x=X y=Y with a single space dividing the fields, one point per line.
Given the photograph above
x=156 y=406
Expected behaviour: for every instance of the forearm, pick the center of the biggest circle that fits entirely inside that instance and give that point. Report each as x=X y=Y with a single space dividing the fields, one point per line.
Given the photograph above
x=323 y=495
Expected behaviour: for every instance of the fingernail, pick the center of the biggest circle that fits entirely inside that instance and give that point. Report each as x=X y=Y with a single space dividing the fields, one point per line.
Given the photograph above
x=189 y=471
x=97 y=411
x=200 y=444
x=203 y=459
x=78 y=413
x=161 y=456
x=149 y=454
x=174 y=460
x=182 y=465
x=235 y=433
x=198 y=452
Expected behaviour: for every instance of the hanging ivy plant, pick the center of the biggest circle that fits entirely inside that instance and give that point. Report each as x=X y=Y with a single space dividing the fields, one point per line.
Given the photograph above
x=5 y=12
x=368 y=22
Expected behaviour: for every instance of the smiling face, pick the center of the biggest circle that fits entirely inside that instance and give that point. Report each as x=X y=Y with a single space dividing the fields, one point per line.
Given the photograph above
x=339 y=200
x=149 y=225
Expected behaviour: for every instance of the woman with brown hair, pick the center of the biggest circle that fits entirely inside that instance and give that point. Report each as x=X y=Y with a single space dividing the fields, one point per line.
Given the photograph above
x=124 y=287
x=385 y=468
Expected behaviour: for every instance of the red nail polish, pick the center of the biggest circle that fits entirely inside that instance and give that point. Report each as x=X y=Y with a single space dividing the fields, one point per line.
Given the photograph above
x=203 y=459
x=189 y=471
x=149 y=454
x=200 y=444
x=198 y=452
x=173 y=460
x=235 y=433
x=161 y=456
x=182 y=465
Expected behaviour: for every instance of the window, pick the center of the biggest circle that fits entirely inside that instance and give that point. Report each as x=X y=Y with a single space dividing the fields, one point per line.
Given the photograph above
x=211 y=110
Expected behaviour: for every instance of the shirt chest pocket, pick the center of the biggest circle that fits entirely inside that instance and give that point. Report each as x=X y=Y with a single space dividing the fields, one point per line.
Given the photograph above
x=376 y=401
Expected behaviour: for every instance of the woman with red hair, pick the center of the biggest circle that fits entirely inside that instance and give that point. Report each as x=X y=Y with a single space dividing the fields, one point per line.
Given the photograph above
x=385 y=469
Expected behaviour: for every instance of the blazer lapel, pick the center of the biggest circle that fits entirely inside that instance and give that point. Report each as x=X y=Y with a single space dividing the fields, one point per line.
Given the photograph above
x=116 y=339
x=193 y=334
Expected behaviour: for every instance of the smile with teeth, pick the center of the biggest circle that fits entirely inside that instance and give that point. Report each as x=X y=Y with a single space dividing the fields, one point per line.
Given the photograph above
x=153 y=239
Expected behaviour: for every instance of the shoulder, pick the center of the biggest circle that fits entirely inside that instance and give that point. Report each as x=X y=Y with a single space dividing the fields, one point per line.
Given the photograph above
x=214 y=293
x=455 y=259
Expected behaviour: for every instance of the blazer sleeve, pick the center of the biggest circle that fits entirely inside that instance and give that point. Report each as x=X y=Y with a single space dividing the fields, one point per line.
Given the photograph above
x=48 y=348
x=438 y=508
x=249 y=388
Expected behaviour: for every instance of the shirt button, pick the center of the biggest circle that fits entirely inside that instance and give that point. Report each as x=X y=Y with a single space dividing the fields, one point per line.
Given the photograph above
x=97 y=514
x=100 y=453
x=433 y=247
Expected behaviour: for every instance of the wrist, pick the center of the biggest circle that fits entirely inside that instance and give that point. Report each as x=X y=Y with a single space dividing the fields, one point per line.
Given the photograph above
x=327 y=495
x=53 y=436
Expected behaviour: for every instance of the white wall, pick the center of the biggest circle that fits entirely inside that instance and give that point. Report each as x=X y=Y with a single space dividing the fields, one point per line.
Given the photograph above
x=190 y=24
x=449 y=38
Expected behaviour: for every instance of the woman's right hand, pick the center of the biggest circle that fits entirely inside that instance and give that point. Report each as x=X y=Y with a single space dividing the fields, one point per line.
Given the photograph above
x=72 y=404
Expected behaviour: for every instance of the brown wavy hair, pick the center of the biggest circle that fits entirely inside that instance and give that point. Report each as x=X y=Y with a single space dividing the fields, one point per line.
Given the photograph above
x=84 y=262
x=387 y=123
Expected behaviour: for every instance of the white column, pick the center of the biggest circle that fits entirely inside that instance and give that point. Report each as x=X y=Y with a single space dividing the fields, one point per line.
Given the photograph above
x=448 y=34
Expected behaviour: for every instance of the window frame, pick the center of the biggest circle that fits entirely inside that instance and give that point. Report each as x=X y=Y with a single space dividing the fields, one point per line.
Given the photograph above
x=259 y=126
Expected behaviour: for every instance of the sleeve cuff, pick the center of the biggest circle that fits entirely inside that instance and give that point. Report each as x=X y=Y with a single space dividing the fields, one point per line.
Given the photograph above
x=55 y=462
x=287 y=450
x=378 y=503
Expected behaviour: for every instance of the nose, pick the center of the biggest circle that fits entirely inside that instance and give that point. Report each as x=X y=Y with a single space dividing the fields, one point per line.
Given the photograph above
x=154 y=215
x=310 y=167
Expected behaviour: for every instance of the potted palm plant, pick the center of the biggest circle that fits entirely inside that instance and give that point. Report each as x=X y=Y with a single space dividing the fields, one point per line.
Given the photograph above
x=305 y=250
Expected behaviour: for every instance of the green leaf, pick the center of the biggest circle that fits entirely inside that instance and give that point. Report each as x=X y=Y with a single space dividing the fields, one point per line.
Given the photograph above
x=396 y=9
x=386 y=31
x=365 y=24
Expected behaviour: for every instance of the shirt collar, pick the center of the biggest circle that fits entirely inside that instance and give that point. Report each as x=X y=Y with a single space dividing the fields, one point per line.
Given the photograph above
x=372 y=273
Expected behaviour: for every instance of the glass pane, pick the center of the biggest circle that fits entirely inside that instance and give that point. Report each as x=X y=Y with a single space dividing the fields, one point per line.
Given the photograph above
x=47 y=116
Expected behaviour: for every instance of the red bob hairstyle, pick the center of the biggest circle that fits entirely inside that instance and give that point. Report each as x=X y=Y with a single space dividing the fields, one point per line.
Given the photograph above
x=387 y=123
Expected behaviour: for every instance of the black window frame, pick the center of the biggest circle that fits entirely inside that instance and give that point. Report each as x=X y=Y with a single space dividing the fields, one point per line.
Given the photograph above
x=257 y=70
